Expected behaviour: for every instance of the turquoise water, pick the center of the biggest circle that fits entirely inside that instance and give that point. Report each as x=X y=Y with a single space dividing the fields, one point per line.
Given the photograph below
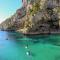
x=42 y=47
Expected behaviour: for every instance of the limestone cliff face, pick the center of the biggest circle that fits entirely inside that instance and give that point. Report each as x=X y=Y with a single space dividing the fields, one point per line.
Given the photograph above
x=13 y=23
x=44 y=17
x=39 y=16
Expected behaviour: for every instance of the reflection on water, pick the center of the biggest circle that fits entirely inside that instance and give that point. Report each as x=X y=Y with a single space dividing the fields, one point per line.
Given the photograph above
x=50 y=39
x=12 y=46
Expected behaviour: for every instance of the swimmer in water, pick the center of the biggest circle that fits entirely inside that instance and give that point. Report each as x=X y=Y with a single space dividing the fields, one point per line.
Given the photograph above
x=7 y=39
x=26 y=46
x=28 y=53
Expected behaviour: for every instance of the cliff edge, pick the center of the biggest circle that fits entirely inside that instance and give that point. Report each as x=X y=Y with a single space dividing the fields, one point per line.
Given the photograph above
x=35 y=17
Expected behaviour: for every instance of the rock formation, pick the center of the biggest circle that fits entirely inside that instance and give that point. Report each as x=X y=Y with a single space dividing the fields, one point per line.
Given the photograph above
x=37 y=16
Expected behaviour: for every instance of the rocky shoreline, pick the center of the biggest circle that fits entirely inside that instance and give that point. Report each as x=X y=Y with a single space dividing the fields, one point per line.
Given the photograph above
x=41 y=33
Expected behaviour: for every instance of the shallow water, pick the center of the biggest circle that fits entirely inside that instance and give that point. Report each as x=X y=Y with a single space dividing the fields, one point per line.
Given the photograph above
x=41 y=47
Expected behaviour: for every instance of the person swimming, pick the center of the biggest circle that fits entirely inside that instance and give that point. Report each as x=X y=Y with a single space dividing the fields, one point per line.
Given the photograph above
x=6 y=38
x=26 y=46
x=28 y=53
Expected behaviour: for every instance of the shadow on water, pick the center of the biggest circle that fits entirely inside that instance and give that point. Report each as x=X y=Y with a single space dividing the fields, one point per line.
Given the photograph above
x=49 y=39
x=34 y=39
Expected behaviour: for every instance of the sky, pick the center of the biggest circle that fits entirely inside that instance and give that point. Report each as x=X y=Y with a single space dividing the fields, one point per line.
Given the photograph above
x=8 y=8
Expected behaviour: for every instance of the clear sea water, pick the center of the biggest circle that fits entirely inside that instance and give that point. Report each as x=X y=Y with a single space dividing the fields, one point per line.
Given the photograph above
x=41 y=47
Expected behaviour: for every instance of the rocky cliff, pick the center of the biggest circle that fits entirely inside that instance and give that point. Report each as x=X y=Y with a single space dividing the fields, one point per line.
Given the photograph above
x=40 y=16
x=13 y=23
